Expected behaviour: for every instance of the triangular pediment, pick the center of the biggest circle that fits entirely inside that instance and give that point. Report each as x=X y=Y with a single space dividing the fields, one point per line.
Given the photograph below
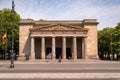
x=58 y=27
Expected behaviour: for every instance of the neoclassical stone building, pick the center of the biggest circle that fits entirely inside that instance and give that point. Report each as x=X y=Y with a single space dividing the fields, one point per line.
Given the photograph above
x=65 y=39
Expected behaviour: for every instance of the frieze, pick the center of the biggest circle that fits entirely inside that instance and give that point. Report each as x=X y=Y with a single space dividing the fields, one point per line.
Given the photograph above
x=59 y=32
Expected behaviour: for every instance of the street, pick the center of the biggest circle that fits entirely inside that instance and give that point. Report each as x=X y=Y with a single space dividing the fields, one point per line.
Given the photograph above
x=82 y=70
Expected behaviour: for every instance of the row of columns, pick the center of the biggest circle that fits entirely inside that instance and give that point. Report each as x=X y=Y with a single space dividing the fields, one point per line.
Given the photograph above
x=74 y=53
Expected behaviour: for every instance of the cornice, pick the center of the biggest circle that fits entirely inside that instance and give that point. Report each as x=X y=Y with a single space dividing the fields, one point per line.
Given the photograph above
x=26 y=21
x=66 y=22
x=90 y=22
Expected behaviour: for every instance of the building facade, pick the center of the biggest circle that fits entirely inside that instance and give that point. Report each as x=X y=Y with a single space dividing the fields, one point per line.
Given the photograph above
x=47 y=39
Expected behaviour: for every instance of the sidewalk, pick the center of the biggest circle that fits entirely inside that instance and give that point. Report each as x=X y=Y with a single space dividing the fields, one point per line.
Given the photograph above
x=66 y=76
x=82 y=64
x=56 y=61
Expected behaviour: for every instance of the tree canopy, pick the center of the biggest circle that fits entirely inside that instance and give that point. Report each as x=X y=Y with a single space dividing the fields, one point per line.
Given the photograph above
x=7 y=23
x=109 y=41
x=116 y=39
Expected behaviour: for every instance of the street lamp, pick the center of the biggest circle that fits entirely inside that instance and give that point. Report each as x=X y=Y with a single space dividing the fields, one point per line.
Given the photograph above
x=12 y=53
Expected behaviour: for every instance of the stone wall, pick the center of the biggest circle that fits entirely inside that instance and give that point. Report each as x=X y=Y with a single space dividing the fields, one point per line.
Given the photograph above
x=92 y=42
x=24 y=41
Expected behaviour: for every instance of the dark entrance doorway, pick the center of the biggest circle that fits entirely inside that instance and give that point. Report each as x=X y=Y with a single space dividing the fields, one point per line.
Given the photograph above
x=48 y=53
x=68 y=53
x=58 y=53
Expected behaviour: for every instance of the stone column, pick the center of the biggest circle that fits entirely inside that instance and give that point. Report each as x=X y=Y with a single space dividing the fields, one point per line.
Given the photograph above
x=64 y=48
x=74 y=48
x=53 y=48
x=32 y=49
x=42 y=47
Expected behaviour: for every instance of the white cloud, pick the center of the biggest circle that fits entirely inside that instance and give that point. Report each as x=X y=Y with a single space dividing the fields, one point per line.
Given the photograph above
x=106 y=11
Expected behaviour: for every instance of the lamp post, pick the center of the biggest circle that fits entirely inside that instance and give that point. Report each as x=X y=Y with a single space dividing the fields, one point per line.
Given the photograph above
x=12 y=52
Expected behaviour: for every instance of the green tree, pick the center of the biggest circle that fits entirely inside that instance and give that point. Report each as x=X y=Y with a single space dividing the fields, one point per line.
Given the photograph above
x=116 y=40
x=104 y=42
x=109 y=42
x=7 y=21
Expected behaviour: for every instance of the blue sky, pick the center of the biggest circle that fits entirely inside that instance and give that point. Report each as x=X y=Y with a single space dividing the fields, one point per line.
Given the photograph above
x=106 y=11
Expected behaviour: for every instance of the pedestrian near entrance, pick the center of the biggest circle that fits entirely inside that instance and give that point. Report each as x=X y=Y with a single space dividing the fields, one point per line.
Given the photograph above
x=59 y=59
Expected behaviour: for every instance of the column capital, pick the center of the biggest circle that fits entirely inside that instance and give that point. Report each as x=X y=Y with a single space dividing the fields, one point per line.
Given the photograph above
x=32 y=37
x=53 y=36
x=64 y=36
x=42 y=36
x=84 y=36
x=74 y=36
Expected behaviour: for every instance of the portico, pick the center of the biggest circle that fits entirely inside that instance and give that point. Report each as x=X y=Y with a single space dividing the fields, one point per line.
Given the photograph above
x=60 y=42
x=63 y=49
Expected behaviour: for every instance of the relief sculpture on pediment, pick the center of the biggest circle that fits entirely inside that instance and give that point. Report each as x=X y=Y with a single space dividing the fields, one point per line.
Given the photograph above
x=58 y=27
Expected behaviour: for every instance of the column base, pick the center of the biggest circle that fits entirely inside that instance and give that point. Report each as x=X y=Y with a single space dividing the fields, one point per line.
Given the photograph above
x=43 y=56
x=75 y=58
x=97 y=57
x=21 y=58
x=86 y=57
x=31 y=59
x=43 y=60
x=53 y=59
x=94 y=57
